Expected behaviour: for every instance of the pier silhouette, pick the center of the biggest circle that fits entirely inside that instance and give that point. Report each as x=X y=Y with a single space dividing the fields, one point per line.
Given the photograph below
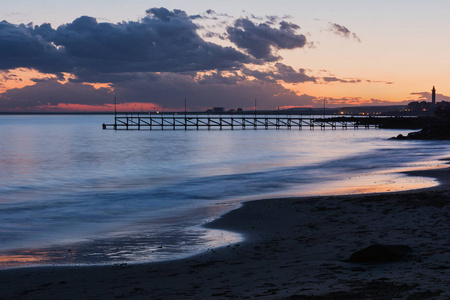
x=186 y=121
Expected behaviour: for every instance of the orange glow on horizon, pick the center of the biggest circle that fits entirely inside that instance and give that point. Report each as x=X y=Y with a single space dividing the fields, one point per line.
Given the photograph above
x=362 y=93
x=294 y=106
x=125 y=107
x=336 y=94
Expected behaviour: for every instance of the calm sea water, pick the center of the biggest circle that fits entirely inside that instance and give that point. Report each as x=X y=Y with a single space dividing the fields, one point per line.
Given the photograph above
x=72 y=193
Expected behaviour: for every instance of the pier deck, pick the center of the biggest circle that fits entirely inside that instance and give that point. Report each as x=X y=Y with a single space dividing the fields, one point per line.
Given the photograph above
x=176 y=121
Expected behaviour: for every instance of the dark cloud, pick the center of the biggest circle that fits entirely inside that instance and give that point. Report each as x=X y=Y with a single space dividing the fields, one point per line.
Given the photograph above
x=334 y=79
x=272 y=19
x=379 y=81
x=165 y=89
x=214 y=90
x=328 y=79
x=86 y=76
x=289 y=75
x=269 y=19
x=289 y=27
x=219 y=78
x=210 y=15
x=281 y=72
x=230 y=89
x=51 y=93
x=426 y=96
x=374 y=101
x=195 y=17
x=343 y=31
x=312 y=44
x=163 y=41
x=22 y=46
x=211 y=34
x=258 y=40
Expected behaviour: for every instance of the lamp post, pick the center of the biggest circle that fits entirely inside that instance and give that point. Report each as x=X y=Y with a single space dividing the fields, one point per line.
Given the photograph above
x=115 y=113
x=324 y=108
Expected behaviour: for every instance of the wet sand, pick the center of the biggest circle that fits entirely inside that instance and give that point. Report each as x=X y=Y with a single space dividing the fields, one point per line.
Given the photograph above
x=295 y=248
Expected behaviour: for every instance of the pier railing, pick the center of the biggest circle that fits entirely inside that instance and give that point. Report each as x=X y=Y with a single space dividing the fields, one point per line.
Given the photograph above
x=176 y=121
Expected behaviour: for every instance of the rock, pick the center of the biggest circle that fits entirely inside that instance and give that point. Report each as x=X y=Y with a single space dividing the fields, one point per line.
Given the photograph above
x=398 y=137
x=381 y=253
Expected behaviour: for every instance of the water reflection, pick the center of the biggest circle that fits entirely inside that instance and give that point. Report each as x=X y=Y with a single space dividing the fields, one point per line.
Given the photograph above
x=135 y=248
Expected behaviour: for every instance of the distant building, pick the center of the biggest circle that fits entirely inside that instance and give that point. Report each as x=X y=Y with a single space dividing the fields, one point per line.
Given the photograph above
x=218 y=109
x=433 y=96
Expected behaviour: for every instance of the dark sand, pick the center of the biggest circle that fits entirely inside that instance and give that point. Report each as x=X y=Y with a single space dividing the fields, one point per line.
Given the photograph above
x=295 y=248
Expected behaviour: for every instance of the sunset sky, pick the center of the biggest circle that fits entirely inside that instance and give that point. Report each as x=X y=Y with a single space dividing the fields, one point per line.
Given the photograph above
x=61 y=55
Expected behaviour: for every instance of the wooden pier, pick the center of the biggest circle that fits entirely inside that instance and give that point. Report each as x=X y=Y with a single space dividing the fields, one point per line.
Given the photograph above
x=177 y=121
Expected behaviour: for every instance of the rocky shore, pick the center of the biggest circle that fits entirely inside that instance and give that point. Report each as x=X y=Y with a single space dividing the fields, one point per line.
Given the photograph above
x=430 y=132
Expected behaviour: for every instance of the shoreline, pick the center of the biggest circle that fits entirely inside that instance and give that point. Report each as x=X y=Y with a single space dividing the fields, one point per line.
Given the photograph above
x=293 y=246
x=84 y=253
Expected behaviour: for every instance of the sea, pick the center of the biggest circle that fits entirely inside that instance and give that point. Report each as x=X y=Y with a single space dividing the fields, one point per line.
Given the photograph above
x=72 y=193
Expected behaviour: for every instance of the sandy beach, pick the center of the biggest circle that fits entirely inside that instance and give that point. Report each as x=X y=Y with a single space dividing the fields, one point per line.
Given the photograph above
x=295 y=248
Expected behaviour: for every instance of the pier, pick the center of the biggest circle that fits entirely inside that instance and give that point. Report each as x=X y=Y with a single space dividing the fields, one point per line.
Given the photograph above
x=181 y=121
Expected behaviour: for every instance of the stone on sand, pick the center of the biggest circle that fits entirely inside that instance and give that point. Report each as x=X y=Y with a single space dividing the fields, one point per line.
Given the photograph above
x=381 y=253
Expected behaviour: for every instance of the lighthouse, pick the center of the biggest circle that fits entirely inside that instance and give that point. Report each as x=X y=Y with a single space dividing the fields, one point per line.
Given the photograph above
x=433 y=96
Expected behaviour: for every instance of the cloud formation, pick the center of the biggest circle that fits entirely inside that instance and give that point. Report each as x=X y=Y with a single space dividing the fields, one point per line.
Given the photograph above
x=22 y=46
x=165 y=89
x=159 y=59
x=331 y=79
x=163 y=41
x=343 y=31
x=260 y=40
x=51 y=93
x=335 y=79
x=229 y=89
x=426 y=96
x=280 y=72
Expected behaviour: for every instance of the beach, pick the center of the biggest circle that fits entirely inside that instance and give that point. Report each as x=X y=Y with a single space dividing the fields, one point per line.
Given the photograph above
x=294 y=248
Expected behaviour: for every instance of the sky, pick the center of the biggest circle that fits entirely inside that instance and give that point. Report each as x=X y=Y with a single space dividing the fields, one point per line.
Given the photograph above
x=64 y=56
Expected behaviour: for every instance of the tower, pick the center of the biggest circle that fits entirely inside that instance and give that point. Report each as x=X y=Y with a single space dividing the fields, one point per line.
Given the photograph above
x=433 y=96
